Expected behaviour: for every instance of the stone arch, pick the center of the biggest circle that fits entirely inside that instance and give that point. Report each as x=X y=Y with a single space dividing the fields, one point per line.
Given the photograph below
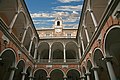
x=19 y=26
x=98 y=7
x=7 y=62
x=33 y=47
x=56 y=74
x=28 y=37
x=40 y=74
x=89 y=24
x=20 y=70
x=43 y=51
x=71 y=51
x=8 y=11
x=57 y=51
x=100 y=63
x=73 y=74
x=111 y=48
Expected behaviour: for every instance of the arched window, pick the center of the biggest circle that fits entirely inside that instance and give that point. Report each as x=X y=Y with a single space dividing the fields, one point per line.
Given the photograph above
x=58 y=23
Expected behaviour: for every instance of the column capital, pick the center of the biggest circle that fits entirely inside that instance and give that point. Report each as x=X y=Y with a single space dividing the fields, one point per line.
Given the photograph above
x=87 y=73
x=48 y=77
x=13 y=68
x=108 y=58
x=31 y=77
x=23 y=73
x=82 y=77
x=95 y=68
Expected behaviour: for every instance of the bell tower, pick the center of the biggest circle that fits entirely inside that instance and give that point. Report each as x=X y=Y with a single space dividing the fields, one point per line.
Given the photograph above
x=58 y=26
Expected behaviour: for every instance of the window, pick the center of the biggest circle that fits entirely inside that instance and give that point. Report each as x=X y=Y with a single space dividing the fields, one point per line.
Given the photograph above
x=58 y=23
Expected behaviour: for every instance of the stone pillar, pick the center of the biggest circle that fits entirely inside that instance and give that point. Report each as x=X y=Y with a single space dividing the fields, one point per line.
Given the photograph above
x=110 y=68
x=49 y=54
x=30 y=45
x=31 y=76
x=88 y=75
x=13 y=22
x=95 y=73
x=82 y=45
x=79 y=52
x=23 y=75
x=12 y=72
x=64 y=55
x=38 y=58
x=82 y=77
x=65 y=77
x=48 y=77
x=35 y=52
x=23 y=36
x=86 y=33
x=93 y=18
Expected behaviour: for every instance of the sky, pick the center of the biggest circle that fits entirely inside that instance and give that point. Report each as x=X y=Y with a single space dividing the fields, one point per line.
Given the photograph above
x=44 y=12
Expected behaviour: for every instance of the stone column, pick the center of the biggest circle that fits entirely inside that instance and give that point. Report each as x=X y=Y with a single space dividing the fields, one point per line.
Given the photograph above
x=110 y=68
x=82 y=77
x=48 y=77
x=88 y=75
x=31 y=76
x=64 y=55
x=35 y=52
x=38 y=58
x=79 y=52
x=30 y=45
x=82 y=45
x=23 y=75
x=12 y=72
x=23 y=36
x=93 y=18
x=95 y=73
x=13 y=22
x=86 y=33
x=49 y=54
x=65 y=77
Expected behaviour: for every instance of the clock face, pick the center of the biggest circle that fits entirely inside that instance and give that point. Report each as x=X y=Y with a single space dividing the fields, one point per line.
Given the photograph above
x=58 y=30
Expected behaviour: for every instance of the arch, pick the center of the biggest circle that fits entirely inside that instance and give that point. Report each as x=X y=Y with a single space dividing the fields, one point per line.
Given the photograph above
x=57 y=50
x=73 y=74
x=40 y=74
x=58 y=23
x=19 y=26
x=112 y=47
x=71 y=51
x=43 y=50
x=56 y=74
x=8 y=60
x=28 y=38
x=98 y=7
x=21 y=68
x=8 y=11
x=98 y=61
x=33 y=47
x=89 y=25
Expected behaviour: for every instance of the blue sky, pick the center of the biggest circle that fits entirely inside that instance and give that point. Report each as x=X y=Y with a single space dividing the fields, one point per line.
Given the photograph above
x=43 y=12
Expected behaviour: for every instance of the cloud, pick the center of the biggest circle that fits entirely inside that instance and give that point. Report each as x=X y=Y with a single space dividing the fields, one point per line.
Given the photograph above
x=69 y=8
x=68 y=1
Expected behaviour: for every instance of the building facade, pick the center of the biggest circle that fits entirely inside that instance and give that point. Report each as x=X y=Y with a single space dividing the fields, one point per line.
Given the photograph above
x=91 y=54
